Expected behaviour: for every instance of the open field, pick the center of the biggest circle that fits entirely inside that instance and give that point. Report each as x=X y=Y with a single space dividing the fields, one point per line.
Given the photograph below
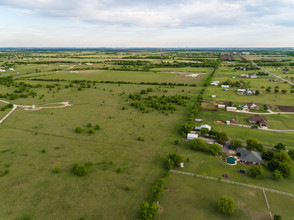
x=199 y=196
x=137 y=127
x=50 y=195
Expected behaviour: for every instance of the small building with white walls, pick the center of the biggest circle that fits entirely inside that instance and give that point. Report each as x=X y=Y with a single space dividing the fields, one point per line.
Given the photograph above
x=191 y=136
x=231 y=109
x=206 y=126
x=213 y=96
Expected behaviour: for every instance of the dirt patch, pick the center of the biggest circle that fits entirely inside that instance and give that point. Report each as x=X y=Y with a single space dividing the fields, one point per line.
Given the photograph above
x=284 y=108
x=209 y=105
x=226 y=176
x=171 y=190
x=252 y=193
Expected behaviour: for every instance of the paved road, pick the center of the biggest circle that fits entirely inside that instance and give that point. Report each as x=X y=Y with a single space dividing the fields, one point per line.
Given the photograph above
x=266 y=71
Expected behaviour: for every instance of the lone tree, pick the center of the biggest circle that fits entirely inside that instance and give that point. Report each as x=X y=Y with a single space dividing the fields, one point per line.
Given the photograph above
x=226 y=205
x=257 y=172
x=79 y=129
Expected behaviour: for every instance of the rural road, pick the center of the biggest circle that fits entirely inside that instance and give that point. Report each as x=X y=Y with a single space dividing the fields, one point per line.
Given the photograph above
x=265 y=113
x=266 y=71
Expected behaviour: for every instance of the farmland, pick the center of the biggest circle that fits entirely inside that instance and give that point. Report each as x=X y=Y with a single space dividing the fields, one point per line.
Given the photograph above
x=125 y=112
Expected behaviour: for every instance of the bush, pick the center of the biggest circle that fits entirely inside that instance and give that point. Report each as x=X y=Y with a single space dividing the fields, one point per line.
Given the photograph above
x=174 y=160
x=226 y=205
x=89 y=125
x=256 y=171
x=277 y=217
x=118 y=170
x=79 y=129
x=280 y=146
x=91 y=131
x=291 y=154
x=127 y=187
x=56 y=170
x=177 y=142
x=277 y=175
x=80 y=170
x=97 y=127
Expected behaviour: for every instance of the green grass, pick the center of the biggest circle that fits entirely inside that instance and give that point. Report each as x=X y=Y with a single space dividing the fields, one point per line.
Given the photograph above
x=196 y=198
x=46 y=195
x=127 y=76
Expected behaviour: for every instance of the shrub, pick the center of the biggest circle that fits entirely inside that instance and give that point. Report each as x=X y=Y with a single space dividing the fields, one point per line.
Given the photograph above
x=127 y=187
x=280 y=146
x=118 y=170
x=43 y=151
x=56 y=170
x=91 y=131
x=97 y=127
x=89 y=125
x=226 y=205
x=177 y=142
x=80 y=170
x=148 y=210
x=277 y=175
x=291 y=154
x=79 y=129
x=277 y=217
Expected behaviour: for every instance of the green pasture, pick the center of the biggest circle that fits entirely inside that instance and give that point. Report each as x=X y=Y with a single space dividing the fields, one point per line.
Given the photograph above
x=193 y=198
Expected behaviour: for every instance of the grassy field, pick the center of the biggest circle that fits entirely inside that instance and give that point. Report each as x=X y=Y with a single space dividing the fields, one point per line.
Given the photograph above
x=38 y=141
x=198 y=197
x=127 y=76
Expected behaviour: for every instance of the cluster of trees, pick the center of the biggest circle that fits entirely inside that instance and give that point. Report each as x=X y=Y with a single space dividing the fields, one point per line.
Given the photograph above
x=161 y=103
x=237 y=84
x=6 y=107
x=201 y=145
x=90 y=128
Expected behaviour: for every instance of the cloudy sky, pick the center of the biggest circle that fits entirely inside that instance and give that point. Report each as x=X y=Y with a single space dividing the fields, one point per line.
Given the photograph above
x=146 y=23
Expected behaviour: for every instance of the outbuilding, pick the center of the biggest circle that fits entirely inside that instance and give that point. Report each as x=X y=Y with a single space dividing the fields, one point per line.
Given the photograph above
x=191 y=136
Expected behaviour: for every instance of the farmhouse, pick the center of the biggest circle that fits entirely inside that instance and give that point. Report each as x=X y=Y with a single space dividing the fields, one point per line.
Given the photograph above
x=249 y=157
x=191 y=136
x=252 y=106
x=258 y=119
x=240 y=91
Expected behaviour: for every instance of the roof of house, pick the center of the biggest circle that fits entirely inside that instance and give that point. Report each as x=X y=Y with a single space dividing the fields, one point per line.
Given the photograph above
x=259 y=119
x=250 y=156
x=252 y=104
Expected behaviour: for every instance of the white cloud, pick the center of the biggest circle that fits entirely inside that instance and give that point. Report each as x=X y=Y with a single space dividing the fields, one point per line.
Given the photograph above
x=161 y=13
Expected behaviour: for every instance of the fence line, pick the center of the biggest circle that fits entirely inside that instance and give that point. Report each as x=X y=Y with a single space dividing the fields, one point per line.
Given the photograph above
x=233 y=182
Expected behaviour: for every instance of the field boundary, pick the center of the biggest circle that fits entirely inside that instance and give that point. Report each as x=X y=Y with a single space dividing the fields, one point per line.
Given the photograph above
x=233 y=182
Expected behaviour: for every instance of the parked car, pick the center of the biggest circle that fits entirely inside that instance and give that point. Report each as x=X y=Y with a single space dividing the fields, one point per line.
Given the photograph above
x=254 y=127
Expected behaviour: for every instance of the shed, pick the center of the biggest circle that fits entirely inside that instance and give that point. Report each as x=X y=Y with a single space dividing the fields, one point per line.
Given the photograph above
x=225 y=86
x=213 y=96
x=231 y=109
x=191 y=136
x=221 y=106
x=198 y=120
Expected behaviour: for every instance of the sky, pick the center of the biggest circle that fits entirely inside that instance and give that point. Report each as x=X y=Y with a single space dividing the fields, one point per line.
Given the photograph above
x=146 y=23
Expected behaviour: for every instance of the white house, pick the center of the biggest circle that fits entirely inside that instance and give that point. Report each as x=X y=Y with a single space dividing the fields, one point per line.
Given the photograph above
x=225 y=86
x=205 y=126
x=214 y=83
x=191 y=136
